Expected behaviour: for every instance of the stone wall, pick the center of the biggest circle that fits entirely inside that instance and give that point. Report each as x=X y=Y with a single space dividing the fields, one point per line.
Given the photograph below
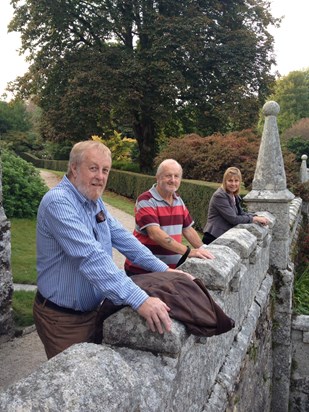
x=299 y=396
x=300 y=365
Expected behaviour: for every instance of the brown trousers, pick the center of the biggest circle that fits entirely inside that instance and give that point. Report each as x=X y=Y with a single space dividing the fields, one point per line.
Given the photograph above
x=58 y=330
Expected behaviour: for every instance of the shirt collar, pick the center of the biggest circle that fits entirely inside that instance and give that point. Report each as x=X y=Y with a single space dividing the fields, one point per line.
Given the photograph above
x=154 y=192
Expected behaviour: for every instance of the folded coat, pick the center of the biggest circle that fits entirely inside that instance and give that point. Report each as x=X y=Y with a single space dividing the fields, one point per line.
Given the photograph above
x=189 y=301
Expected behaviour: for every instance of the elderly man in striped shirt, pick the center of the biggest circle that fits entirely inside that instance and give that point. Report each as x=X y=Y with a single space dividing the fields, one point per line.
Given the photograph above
x=162 y=219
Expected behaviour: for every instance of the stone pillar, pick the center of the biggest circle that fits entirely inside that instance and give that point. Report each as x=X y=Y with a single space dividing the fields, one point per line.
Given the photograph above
x=304 y=173
x=6 y=281
x=269 y=193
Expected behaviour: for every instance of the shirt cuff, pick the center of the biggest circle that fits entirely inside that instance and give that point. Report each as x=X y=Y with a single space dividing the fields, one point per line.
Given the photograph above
x=137 y=298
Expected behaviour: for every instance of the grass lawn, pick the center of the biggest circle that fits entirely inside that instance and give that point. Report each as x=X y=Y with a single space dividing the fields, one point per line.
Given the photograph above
x=22 y=308
x=23 y=259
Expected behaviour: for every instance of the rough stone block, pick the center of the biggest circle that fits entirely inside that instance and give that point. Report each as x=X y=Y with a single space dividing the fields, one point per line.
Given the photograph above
x=279 y=253
x=301 y=322
x=216 y=273
x=240 y=240
x=260 y=232
x=127 y=328
x=85 y=377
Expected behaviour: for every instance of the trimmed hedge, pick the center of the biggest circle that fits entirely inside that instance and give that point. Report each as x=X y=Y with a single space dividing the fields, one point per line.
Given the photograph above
x=59 y=165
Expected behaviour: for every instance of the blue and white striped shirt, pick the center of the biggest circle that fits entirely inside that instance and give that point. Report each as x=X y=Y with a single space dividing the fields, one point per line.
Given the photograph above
x=74 y=253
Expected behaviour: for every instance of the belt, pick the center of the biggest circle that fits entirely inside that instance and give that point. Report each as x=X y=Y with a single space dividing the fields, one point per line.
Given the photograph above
x=52 y=305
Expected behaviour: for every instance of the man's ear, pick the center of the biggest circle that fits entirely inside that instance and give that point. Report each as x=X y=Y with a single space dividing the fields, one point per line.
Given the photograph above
x=74 y=169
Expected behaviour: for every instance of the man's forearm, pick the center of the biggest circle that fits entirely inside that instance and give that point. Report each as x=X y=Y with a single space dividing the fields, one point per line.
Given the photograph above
x=192 y=237
x=166 y=241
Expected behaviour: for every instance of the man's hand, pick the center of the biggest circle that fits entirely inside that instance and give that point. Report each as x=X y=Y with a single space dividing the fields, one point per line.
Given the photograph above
x=182 y=272
x=201 y=253
x=156 y=314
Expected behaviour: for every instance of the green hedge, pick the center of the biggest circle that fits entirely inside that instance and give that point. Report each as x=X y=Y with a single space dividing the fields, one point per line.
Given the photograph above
x=195 y=194
x=59 y=165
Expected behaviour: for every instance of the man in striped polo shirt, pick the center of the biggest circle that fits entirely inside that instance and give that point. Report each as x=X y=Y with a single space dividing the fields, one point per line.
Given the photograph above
x=162 y=218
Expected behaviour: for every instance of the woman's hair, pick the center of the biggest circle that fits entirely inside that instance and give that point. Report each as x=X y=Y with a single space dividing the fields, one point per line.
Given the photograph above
x=231 y=171
x=78 y=151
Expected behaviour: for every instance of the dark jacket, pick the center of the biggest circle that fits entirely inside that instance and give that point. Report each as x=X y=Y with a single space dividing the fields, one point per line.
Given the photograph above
x=223 y=213
x=189 y=302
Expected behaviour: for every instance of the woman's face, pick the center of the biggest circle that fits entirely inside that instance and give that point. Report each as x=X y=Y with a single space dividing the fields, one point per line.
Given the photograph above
x=232 y=184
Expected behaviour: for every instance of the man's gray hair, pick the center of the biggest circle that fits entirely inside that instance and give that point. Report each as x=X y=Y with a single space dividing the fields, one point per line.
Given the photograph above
x=79 y=149
x=165 y=163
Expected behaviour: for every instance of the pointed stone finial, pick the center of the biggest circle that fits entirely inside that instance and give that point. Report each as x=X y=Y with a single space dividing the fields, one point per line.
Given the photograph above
x=270 y=173
x=269 y=178
x=304 y=171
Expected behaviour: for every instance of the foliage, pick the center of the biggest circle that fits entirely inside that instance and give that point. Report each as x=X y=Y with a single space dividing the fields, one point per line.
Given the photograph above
x=102 y=66
x=291 y=92
x=301 y=286
x=22 y=188
x=121 y=147
x=296 y=138
x=18 y=125
x=298 y=129
x=207 y=158
x=299 y=146
x=128 y=166
x=301 y=292
x=302 y=190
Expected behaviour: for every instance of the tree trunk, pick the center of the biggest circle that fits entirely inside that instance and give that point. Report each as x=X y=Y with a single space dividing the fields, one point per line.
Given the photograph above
x=144 y=131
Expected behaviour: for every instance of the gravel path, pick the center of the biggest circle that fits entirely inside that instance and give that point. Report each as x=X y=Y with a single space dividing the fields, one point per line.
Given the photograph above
x=23 y=355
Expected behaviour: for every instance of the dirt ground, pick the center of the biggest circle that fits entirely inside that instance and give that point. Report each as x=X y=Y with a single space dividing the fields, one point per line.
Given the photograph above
x=23 y=355
x=50 y=178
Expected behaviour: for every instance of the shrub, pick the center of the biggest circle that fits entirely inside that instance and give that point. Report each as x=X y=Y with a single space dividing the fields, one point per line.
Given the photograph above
x=302 y=190
x=298 y=146
x=207 y=158
x=123 y=148
x=301 y=286
x=22 y=186
x=299 y=129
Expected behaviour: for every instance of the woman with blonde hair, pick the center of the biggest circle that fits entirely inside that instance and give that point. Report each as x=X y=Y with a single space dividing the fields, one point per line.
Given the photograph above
x=224 y=211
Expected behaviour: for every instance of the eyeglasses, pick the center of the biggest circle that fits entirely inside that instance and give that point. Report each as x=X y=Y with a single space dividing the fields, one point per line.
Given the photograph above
x=100 y=217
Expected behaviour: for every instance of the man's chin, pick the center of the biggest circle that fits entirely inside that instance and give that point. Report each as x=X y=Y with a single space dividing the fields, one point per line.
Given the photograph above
x=94 y=195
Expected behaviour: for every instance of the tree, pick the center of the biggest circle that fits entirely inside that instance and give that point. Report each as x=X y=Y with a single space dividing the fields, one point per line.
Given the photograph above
x=100 y=64
x=296 y=138
x=291 y=92
x=16 y=127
